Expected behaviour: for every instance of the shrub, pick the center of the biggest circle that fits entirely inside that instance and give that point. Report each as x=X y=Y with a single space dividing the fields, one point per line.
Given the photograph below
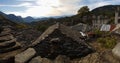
x=107 y=42
x=42 y=27
x=98 y=32
x=21 y=26
x=101 y=33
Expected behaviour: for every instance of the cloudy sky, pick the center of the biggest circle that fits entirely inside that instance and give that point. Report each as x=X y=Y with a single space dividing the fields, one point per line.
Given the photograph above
x=47 y=8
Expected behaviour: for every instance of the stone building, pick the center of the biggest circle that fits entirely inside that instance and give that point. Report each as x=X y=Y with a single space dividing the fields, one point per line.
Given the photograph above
x=98 y=21
x=81 y=27
x=117 y=16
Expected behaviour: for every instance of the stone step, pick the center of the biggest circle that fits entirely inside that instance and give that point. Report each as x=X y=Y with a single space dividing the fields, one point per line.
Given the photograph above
x=10 y=54
x=4 y=34
x=1 y=29
x=7 y=45
x=5 y=38
x=1 y=41
x=9 y=41
x=6 y=30
x=10 y=49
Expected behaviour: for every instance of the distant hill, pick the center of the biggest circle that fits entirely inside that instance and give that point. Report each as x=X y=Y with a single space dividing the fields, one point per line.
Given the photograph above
x=29 y=19
x=108 y=10
x=18 y=19
x=12 y=17
x=5 y=21
x=15 y=18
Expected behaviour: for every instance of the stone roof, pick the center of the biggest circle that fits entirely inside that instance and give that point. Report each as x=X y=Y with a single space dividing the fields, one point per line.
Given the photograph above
x=75 y=35
x=81 y=27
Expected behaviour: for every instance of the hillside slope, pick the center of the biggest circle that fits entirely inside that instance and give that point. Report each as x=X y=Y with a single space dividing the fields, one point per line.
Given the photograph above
x=108 y=10
x=4 y=21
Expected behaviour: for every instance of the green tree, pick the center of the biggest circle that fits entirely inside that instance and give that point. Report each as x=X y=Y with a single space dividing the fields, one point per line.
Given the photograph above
x=85 y=15
x=83 y=11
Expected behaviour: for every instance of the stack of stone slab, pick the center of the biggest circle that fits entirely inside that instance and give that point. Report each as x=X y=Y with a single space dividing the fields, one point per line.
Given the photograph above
x=8 y=44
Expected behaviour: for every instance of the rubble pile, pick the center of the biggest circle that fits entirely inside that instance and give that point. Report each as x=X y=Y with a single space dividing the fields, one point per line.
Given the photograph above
x=59 y=43
x=98 y=57
x=26 y=36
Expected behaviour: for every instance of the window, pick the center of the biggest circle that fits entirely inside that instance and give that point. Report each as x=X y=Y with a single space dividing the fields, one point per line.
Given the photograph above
x=118 y=20
x=119 y=14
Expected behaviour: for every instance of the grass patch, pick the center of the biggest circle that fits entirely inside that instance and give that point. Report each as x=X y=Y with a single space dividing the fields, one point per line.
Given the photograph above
x=107 y=42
